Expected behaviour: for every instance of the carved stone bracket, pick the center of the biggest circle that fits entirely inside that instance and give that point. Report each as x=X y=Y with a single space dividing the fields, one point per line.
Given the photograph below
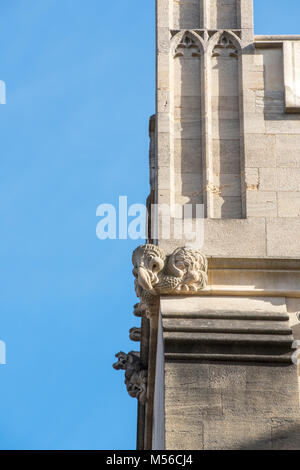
x=135 y=374
x=184 y=271
x=135 y=334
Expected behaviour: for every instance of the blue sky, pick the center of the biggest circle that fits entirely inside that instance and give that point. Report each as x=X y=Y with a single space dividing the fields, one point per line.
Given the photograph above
x=74 y=134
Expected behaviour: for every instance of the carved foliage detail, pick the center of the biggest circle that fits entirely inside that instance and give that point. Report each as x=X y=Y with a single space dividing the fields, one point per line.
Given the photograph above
x=187 y=47
x=225 y=48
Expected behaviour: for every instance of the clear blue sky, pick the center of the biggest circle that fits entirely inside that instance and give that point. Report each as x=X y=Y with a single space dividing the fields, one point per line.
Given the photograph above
x=74 y=134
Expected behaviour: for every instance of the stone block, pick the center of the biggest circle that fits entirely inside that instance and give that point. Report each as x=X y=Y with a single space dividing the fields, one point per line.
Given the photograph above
x=267 y=179
x=230 y=152
x=186 y=14
x=164 y=181
x=255 y=124
x=237 y=434
x=288 y=179
x=163 y=17
x=225 y=104
x=269 y=102
x=251 y=178
x=273 y=76
x=263 y=403
x=227 y=207
x=283 y=237
x=227 y=185
x=272 y=377
x=201 y=402
x=288 y=150
x=254 y=80
x=188 y=156
x=289 y=204
x=261 y=204
x=164 y=149
x=179 y=375
x=227 y=377
x=188 y=183
x=223 y=14
x=282 y=126
x=260 y=150
x=285 y=435
x=191 y=439
x=226 y=129
x=241 y=237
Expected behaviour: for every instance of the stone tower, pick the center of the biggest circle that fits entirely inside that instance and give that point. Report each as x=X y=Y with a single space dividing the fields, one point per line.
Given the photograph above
x=217 y=367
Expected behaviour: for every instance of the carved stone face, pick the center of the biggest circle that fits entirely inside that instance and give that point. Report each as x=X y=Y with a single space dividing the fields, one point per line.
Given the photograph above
x=122 y=361
x=137 y=386
x=148 y=262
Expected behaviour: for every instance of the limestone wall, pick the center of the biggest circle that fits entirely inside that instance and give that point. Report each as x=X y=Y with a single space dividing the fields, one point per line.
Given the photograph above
x=272 y=139
x=226 y=390
x=228 y=126
x=227 y=135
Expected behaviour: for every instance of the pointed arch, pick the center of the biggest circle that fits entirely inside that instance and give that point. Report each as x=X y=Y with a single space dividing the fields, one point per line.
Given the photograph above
x=224 y=51
x=187 y=35
x=217 y=37
x=187 y=57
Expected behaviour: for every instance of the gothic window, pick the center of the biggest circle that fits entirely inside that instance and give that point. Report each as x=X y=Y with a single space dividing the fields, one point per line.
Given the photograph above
x=226 y=154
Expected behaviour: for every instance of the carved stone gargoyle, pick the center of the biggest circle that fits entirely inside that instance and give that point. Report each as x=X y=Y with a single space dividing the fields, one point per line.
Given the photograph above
x=184 y=271
x=135 y=334
x=135 y=374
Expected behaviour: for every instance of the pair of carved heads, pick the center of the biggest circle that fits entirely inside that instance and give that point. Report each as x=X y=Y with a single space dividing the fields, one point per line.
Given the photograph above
x=155 y=273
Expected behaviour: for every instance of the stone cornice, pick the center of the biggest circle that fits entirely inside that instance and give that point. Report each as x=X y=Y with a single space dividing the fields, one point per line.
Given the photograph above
x=235 y=329
x=270 y=38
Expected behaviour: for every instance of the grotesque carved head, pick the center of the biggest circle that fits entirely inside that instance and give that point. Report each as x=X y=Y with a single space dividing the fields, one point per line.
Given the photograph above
x=137 y=386
x=122 y=362
x=135 y=334
x=148 y=262
x=190 y=266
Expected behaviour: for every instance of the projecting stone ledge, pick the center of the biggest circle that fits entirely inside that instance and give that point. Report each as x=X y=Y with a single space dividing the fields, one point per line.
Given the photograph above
x=195 y=329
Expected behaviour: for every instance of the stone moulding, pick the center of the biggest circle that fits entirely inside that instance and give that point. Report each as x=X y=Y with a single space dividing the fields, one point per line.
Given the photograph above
x=135 y=374
x=183 y=271
x=227 y=329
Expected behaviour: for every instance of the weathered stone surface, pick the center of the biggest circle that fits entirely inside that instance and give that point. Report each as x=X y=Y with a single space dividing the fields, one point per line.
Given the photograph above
x=289 y=204
x=285 y=434
x=257 y=404
x=246 y=236
x=227 y=136
x=260 y=150
x=186 y=14
x=235 y=410
x=261 y=204
x=234 y=434
x=267 y=179
x=291 y=54
x=283 y=237
x=288 y=151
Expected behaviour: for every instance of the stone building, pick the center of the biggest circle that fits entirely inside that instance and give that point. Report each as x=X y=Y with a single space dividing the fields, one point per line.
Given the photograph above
x=217 y=367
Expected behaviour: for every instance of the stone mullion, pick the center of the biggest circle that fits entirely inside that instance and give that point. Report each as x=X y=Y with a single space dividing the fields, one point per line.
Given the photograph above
x=241 y=66
x=164 y=122
x=206 y=14
x=207 y=136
